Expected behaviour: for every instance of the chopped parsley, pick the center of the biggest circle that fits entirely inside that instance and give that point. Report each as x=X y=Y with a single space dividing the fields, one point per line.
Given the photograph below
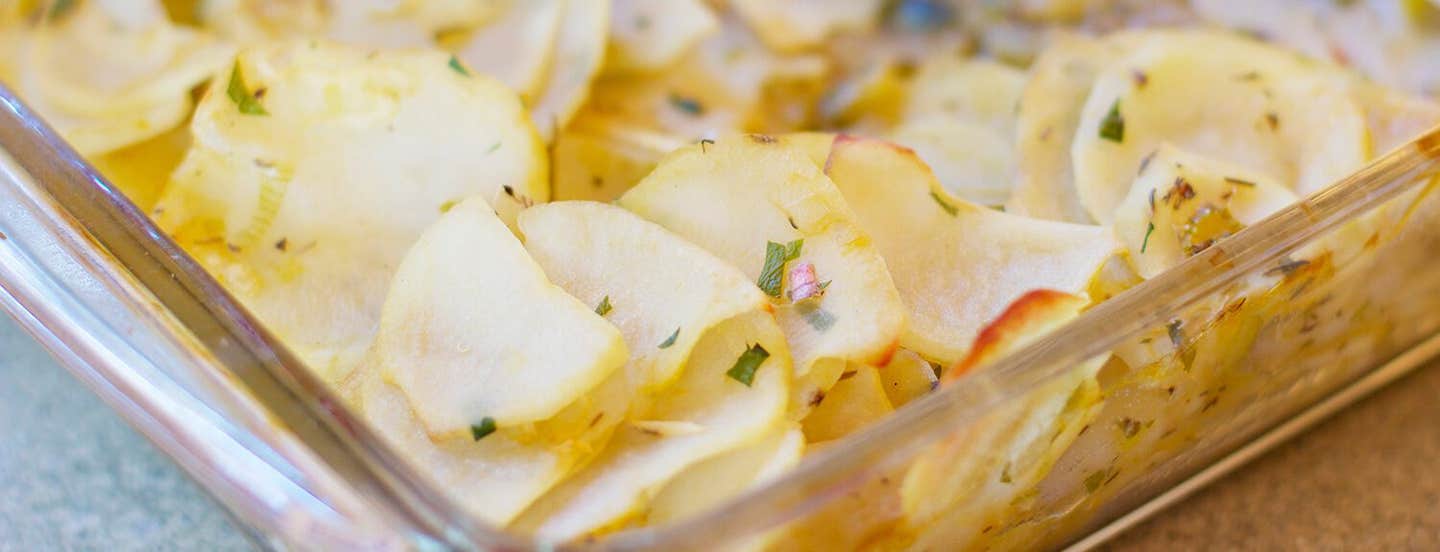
x=776 y=255
x=1094 y=481
x=1149 y=229
x=448 y=205
x=244 y=100
x=1112 y=127
x=690 y=106
x=493 y=147
x=817 y=317
x=951 y=209
x=744 y=369
x=604 y=308
x=669 y=340
x=456 y=66
x=60 y=8
x=481 y=430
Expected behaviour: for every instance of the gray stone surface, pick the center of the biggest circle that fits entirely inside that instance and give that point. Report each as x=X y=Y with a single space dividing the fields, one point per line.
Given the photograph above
x=73 y=476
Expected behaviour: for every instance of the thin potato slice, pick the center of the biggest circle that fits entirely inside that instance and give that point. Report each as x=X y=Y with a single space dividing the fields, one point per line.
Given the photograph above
x=965 y=483
x=712 y=482
x=971 y=160
x=956 y=264
x=649 y=283
x=599 y=158
x=111 y=75
x=717 y=413
x=735 y=195
x=856 y=401
x=1268 y=111
x=791 y=25
x=304 y=211
x=484 y=335
x=649 y=35
x=1182 y=203
x=579 y=53
x=908 y=377
x=517 y=47
x=982 y=92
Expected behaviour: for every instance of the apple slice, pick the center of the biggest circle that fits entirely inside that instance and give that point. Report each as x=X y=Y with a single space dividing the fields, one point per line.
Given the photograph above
x=707 y=412
x=956 y=264
x=1268 y=111
x=1181 y=203
x=752 y=200
x=303 y=205
x=649 y=35
x=662 y=292
x=483 y=335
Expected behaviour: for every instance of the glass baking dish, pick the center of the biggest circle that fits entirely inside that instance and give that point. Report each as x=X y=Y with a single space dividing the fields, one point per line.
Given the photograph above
x=1250 y=340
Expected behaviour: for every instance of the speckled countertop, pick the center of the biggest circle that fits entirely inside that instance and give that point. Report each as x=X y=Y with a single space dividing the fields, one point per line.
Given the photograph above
x=75 y=477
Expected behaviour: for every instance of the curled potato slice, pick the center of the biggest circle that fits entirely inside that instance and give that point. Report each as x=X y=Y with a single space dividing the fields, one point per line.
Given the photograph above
x=1182 y=203
x=304 y=210
x=712 y=482
x=598 y=157
x=107 y=75
x=907 y=377
x=517 y=47
x=977 y=91
x=649 y=283
x=579 y=53
x=956 y=264
x=486 y=335
x=737 y=194
x=972 y=161
x=705 y=413
x=856 y=401
x=648 y=35
x=1268 y=111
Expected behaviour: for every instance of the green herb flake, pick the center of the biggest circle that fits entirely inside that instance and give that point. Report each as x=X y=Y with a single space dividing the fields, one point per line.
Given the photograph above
x=1149 y=229
x=1112 y=127
x=690 y=106
x=1094 y=481
x=243 y=98
x=744 y=369
x=481 y=430
x=448 y=205
x=458 y=67
x=604 y=308
x=818 y=318
x=773 y=272
x=669 y=340
x=946 y=205
x=60 y=8
x=1240 y=182
x=493 y=148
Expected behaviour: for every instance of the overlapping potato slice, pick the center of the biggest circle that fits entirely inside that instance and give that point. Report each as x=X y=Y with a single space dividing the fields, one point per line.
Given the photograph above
x=712 y=482
x=950 y=87
x=733 y=196
x=956 y=264
x=485 y=335
x=907 y=377
x=1267 y=110
x=971 y=160
x=706 y=412
x=662 y=292
x=579 y=53
x=304 y=205
x=952 y=492
x=599 y=157
x=800 y=24
x=856 y=401
x=515 y=48
x=1182 y=203
x=1049 y=111
x=107 y=75
x=649 y=35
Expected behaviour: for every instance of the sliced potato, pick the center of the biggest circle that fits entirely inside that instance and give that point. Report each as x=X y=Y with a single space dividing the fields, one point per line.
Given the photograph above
x=304 y=211
x=579 y=52
x=736 y=194
x=142 y=170
x=1181 y=203
x=1049 y=111
x=256 y=21
x=718 y=414
x=110 y=75
x=956 y=264
x=712 y=482
x=792 y=25
x=517 y=47
x=486 y=335
x=908 y=377
x=1271 y=112
x=948 y=87
x=649 y=35
x=856 y=401
x=662 y=292
x=972 y=161
x=598 y=158
x=966 y=482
